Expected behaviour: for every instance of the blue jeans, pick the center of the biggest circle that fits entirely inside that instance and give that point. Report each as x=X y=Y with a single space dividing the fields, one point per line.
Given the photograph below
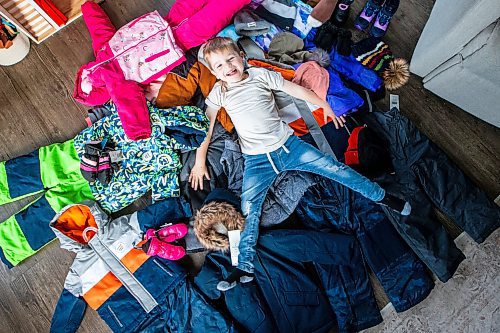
x=261 y=171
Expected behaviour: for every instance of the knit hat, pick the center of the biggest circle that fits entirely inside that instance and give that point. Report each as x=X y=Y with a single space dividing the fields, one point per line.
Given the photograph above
x=249 y=24
x=314 y=77
x=219 y=214
x=287 y=48
x=376 y=55
x=252 y=50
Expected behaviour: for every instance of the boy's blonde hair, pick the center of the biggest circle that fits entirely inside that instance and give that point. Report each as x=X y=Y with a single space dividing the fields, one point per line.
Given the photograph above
x=217 y=44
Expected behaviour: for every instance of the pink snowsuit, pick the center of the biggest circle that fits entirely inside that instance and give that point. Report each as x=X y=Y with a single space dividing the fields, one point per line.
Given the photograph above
x=136 y=54
x=116 y=75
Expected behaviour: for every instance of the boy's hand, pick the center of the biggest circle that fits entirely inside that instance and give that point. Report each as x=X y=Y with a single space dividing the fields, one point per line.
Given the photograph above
x=338 y=121
x=196 y=176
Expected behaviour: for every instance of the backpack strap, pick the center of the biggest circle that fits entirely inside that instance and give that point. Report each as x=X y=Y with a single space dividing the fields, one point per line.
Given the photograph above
x=313 y=126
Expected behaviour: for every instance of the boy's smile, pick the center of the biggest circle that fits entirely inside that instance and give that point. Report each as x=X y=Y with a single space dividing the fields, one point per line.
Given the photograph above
x=227 y=65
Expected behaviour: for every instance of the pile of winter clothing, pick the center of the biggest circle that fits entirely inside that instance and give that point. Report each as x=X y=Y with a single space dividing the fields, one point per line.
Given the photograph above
x=319 y=238
x=56 y=171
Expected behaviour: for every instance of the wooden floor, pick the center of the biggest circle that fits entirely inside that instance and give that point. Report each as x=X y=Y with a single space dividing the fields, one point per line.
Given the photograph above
x=36 y=109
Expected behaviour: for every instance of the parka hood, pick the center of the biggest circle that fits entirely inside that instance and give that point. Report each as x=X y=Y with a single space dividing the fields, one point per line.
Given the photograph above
x=76 y=224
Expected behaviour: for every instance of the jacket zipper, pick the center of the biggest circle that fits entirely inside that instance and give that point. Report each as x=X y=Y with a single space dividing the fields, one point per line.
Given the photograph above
x=91 y=69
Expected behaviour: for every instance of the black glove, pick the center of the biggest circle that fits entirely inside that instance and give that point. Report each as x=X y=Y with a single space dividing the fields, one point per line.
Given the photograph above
x=96 y=162
x=237 y=275
x=326 y=36
x=344 y=42
x=90 y=161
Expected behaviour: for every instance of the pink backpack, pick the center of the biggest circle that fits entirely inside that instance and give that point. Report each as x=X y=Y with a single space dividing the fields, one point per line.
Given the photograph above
x=145 y=48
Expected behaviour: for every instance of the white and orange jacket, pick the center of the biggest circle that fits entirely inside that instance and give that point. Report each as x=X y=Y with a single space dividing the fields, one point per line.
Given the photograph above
x=129 y=289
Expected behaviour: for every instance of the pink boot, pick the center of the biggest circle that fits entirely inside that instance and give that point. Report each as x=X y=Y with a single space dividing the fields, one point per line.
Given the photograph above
x=168 y=233
x=155 y=247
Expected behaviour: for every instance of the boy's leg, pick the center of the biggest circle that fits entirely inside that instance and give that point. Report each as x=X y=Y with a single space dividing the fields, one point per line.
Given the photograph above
x=258 y=176
x=304 y=157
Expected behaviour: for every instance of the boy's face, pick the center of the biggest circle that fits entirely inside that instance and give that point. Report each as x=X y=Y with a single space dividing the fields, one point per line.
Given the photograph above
x=227 y=65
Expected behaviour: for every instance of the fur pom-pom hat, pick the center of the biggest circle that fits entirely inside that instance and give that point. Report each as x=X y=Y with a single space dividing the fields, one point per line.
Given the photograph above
x=376 y=55
x=219 y=214
x=396 y=74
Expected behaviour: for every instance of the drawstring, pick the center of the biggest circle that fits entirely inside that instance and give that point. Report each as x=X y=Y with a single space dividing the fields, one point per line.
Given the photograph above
x=271 y=160
x=84 y=233
x=272 y=163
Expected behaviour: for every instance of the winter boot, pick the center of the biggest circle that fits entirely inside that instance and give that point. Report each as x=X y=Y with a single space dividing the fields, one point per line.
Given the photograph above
x=340 y=14
x=367 y=15
x=381 y=24
x=169 y=233
x=155 y=247
x=396 y=204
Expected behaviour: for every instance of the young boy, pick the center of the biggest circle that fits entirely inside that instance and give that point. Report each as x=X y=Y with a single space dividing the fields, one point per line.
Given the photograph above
x=267 y=143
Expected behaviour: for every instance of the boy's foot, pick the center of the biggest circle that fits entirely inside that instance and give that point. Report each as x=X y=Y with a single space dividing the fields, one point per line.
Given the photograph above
x=340 y=15
x=367 y=15
x=395 y=203
x=237 y=275
x=379 y=28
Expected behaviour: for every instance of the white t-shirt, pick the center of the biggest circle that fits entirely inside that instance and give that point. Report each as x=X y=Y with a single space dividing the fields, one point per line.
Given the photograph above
x=250 y=105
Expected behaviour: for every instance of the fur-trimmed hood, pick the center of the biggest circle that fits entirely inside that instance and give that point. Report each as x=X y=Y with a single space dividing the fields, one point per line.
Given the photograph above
x=212 y=223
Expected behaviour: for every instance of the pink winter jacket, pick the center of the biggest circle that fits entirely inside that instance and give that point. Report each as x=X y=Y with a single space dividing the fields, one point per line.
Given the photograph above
x=131 y=56
x=136 y=54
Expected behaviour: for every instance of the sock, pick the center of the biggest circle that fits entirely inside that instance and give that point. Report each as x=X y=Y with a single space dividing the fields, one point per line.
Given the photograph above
x=237 y=275
x=399 y=205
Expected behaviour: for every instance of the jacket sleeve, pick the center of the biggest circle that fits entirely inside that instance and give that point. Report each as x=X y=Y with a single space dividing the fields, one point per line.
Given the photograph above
x=189 y=19
x=341 y=99
x=68 y=314
x=130 y=102
x=353 y=70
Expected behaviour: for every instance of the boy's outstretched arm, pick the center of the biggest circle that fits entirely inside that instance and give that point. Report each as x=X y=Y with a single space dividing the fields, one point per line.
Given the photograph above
x=303 y=93
x=200 y=168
